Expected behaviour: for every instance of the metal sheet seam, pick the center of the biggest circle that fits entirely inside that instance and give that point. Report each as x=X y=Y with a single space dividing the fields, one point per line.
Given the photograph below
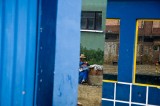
x=1 y=26
x=37 y=50
x=15 y=50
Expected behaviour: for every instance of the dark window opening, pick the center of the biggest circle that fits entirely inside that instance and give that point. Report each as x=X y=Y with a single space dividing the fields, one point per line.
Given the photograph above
x=91 y=20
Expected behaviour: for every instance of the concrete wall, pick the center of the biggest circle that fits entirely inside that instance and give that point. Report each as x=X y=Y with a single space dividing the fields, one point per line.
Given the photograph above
x=94 y=40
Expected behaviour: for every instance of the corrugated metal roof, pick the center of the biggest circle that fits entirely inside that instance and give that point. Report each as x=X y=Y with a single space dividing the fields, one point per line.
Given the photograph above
x=17 y=51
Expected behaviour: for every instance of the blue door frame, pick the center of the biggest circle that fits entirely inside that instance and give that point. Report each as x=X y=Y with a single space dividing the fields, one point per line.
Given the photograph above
x=125 y=92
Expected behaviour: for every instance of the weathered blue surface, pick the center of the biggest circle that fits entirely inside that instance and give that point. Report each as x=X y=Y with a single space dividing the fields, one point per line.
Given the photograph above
x=18 y=20
x=67 y=53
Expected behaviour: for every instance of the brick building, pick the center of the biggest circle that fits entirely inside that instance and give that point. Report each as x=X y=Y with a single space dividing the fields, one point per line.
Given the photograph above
x=148 y=49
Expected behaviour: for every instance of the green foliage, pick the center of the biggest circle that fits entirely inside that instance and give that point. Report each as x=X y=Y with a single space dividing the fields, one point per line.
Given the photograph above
x=93 y=56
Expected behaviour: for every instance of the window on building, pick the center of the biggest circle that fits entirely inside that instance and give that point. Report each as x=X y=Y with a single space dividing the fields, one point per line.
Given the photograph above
x=91 y=20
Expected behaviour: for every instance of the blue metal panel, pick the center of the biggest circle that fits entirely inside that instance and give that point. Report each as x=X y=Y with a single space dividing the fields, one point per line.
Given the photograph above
x=108 y=90
x=107 y=103
x=17 y=51
x=139 y=94
x=122 y=92
x=46 y=52
x=128 y=11
x=67 y=53
x=154 y=96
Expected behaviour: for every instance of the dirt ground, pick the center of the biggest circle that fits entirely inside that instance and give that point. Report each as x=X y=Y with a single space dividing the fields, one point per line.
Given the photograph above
x=90 y=95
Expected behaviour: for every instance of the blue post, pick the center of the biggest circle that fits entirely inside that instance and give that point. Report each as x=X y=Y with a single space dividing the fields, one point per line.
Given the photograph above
x=65 y=88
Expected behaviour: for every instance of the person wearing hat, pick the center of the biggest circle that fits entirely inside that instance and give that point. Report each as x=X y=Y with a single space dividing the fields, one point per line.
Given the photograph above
x=83 y=69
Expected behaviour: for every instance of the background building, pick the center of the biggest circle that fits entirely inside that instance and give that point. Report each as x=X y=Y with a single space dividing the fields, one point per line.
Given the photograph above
x=93 y=24
x=148 y=48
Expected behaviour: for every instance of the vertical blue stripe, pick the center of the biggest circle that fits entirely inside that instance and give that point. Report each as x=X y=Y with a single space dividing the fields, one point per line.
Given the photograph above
x=126 y=50
x=1 y=26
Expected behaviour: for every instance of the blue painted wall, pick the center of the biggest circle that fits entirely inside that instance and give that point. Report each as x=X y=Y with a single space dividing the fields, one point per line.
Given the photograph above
x=18 y=20
x=65 y=89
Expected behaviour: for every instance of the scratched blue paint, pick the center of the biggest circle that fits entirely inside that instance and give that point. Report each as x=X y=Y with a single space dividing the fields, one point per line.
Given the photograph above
x=17 y=51
x=129 y=11
x=67 y=53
